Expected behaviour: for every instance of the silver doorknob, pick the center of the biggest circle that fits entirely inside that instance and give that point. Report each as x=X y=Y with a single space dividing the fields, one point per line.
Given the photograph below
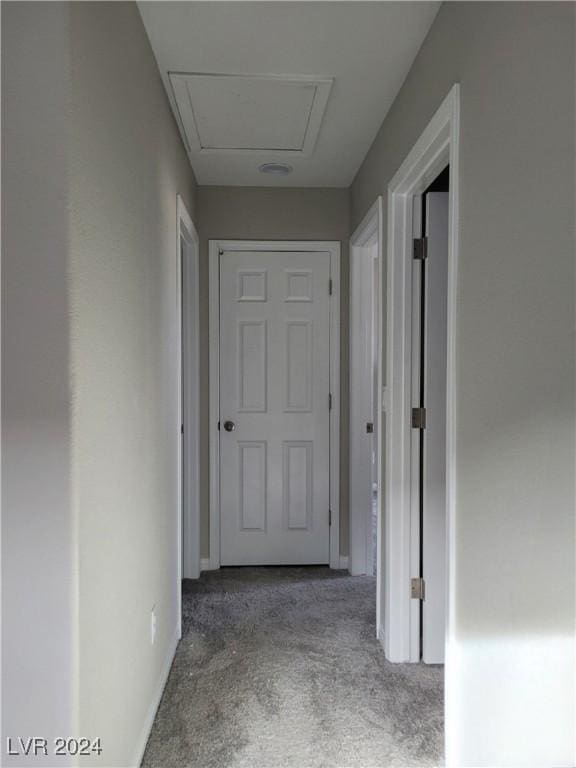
x=229 y=426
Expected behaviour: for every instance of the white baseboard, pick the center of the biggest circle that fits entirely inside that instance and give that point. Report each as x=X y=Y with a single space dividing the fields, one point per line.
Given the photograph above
x=154 y=704
x=206 y=564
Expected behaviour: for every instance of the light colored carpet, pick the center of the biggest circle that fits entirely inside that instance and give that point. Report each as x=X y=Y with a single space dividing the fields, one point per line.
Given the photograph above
x=280 y=668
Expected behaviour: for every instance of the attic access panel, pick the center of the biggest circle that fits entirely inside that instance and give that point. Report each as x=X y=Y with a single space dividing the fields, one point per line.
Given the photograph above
x=250 y=114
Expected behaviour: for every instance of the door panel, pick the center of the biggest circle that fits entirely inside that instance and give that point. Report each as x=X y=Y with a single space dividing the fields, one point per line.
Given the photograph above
x=252 y=367
x=297 y=484
x=274 y=387
x=298 y=379
x=434 y=443
x=252 y=482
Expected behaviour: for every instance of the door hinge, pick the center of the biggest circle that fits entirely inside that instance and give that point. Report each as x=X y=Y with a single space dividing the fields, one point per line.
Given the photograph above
x=329 y=517
x=418 y=589
x=220 y=252
x=181 y=429
x=418 y=418
x=218 y=426
x=420 y=247
x=370 y=427
x=330 y=401
x=330 y=287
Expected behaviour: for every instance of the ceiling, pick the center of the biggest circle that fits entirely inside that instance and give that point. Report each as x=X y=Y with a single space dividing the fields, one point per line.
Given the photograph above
x=305 y=84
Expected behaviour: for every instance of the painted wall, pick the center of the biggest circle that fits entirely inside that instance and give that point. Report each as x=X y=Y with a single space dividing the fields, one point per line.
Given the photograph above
x=259 y=213
x=127 y=165
x=93 y=164
x=511 y=677
x=38 y=556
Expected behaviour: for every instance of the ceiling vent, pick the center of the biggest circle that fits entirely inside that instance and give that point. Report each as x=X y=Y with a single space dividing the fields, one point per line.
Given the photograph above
x=250 y=114
x=276 y=169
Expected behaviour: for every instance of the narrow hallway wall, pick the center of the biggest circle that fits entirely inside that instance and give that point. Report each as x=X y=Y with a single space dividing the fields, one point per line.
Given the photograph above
x=510 y=693
x=92 y=165
x=127 y=166
x=38 y=554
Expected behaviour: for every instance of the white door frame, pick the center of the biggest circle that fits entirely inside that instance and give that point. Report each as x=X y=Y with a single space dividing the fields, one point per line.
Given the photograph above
x=216 y=247
x=189 y=396
x=367 y=234
x=437 y=146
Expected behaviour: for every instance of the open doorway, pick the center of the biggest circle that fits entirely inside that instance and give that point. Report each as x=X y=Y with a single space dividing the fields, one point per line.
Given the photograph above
x=365 y=391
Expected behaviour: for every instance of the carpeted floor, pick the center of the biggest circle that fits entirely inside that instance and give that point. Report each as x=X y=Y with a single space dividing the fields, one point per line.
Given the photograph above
x=280 y=668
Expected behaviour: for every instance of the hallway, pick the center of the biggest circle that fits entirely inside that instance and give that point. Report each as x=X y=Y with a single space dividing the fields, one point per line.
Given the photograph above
x=279 y=668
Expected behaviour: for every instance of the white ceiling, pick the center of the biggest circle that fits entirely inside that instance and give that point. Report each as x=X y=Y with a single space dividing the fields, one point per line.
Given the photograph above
x=365 y=48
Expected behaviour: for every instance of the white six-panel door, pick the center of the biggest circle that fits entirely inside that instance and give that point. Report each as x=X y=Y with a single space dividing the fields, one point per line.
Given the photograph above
x=274 y=407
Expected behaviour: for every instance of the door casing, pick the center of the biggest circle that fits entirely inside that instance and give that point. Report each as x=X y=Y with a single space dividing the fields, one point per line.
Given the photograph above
x=216 y=247
x=437 y=147
x=188 y=302
x=367 y=235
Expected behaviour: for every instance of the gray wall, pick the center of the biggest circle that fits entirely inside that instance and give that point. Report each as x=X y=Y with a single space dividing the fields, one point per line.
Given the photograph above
x=511 y=683
x=92 y=165
x=259 y=213
x=127 y=165
x=38 y=558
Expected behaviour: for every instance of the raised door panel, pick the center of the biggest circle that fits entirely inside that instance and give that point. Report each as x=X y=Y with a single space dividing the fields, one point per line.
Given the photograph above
x=252 y=485
x=252 y=285
x=252 y=356
x=298 y=285
x=297 y=484
x=299 y=370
